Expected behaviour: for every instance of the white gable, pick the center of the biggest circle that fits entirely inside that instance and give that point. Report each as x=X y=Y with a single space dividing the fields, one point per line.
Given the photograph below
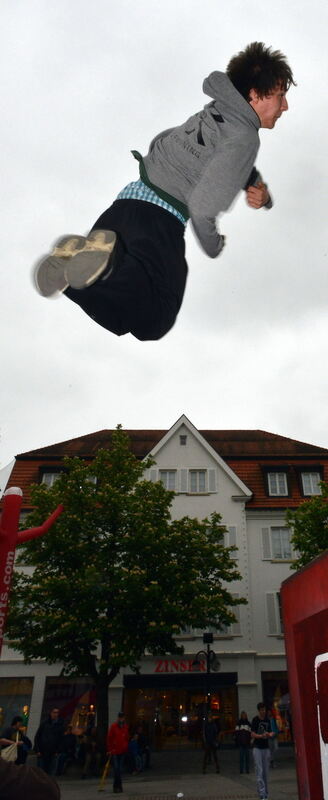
x=183 y=447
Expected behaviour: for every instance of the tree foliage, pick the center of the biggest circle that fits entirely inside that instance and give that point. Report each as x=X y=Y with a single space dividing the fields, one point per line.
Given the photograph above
x=115 y=576
x=309 y=526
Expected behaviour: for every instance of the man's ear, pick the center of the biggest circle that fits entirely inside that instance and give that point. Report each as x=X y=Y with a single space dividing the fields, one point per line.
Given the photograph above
x=253 y=96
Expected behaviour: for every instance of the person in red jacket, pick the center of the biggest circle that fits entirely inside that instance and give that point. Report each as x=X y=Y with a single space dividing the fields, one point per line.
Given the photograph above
x=117 y=746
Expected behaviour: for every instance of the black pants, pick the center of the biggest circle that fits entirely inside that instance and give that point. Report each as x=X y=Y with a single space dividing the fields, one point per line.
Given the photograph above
x=210 y=750
x=117 y=764
x=144 y=291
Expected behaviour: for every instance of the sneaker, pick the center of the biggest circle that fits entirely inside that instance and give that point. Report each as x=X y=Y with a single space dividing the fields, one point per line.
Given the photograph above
x=87 y=265
x=49 y=273
x=75 y=261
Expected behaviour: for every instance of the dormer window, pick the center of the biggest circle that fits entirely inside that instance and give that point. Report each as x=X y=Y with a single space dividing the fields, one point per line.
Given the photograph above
x=50 y=476
x=277 y=484
x=183 y=439
x=311 y=483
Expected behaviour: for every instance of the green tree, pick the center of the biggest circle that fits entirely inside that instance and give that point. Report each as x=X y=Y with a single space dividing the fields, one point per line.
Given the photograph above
x=309 y=526
x=116 y=575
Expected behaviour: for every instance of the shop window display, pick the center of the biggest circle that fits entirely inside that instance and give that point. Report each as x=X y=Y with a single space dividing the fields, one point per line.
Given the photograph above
x=15 y=699
x=75 y=698
x=174 y=717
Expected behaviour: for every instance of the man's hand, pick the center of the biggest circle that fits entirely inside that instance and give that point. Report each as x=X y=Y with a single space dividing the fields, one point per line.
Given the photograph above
x=257 y=196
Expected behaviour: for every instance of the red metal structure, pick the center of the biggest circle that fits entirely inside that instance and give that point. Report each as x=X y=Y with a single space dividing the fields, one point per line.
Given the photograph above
x=9 y=538
x=304 y=599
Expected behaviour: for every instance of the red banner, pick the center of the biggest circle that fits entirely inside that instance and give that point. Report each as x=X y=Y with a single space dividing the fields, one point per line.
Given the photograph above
x=9 y=537
x=12 y=502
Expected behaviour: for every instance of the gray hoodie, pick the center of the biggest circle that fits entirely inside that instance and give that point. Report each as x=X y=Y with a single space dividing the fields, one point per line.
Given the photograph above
x=206 y=161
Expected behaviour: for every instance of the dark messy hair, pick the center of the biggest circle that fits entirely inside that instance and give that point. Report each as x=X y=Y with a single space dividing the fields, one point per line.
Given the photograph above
x=261 y=68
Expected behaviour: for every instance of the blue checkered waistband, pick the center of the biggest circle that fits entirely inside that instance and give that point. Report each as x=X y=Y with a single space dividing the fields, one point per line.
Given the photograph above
x=137 y=190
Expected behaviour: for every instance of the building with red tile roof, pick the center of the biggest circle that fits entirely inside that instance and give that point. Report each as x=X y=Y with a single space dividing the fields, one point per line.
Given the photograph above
x=251 y=477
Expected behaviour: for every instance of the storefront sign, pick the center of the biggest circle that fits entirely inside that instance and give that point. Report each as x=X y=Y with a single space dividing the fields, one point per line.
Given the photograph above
x=178 y=665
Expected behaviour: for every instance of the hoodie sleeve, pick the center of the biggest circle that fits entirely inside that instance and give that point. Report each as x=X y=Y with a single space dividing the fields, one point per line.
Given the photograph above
x=224 y=176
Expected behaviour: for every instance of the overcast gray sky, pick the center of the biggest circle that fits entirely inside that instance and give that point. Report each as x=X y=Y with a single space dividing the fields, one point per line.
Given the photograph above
x=84 y=83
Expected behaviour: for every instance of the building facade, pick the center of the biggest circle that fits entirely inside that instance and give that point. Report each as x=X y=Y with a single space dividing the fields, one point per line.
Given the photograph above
x=251 y=478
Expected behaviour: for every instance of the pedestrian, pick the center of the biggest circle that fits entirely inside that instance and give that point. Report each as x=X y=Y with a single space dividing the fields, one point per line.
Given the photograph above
x=210 y=742
x=92 y=753
x=117 y=747
x=15 y=733
x=134 y=755
x=48 y=742
x=273 y=742
x=67 y=750
x=261 y=733
x=243 y=741
x=26 y=783
x=144 y=747
x=129 y=274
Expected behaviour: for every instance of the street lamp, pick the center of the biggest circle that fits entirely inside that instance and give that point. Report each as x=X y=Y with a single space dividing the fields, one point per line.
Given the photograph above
x=212 y=663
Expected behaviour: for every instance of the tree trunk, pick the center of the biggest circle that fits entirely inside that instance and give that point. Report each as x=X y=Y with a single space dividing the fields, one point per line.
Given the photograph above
x=102 y=684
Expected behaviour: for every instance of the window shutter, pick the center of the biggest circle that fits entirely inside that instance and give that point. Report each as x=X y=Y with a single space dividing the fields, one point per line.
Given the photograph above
x=212 y=480
x=271 y=612
x=232 y=535
x=153 y=475
x=183 y=480
x=236 y=627
x=266 y=545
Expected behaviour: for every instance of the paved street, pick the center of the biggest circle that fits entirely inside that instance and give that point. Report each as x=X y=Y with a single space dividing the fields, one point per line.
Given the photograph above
x=181 y=772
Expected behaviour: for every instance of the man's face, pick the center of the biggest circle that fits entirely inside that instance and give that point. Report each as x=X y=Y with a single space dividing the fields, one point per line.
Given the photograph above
x=270 y=107
x=262 y=712
x=54 y=714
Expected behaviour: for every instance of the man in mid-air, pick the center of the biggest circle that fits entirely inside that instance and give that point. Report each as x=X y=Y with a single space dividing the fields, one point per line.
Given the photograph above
x=129 y=274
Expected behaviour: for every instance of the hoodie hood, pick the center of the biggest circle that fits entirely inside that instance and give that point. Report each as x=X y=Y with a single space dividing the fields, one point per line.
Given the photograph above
x=231 y=104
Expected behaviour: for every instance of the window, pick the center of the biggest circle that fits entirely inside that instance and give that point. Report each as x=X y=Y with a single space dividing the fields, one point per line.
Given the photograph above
x=183 y=439
x=277 y=484
x=197 y=481
x=230 y=538
x=23 y=517
x=186 y=481
x=230 y=630
x=49 y=478
x=226 y=630
x=168 y=478
x=235 y=628
x=276 y=544
x=311 y=483
x=274 y=615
